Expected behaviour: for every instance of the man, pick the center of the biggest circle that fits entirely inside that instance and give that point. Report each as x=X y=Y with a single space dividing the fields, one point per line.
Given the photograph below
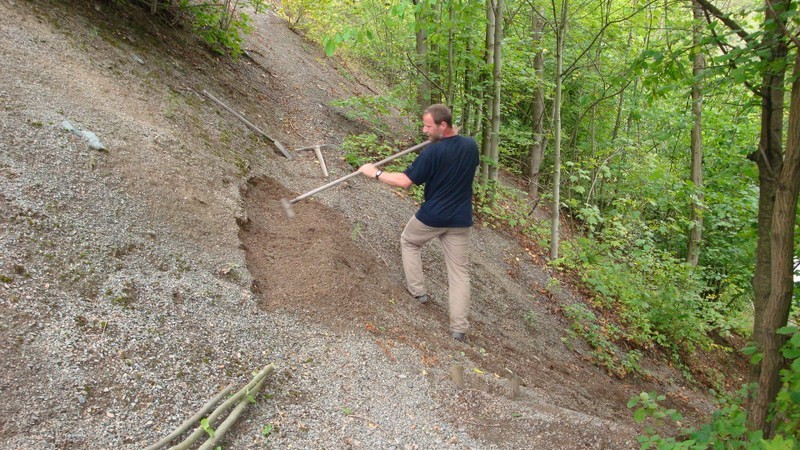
x=446 y=168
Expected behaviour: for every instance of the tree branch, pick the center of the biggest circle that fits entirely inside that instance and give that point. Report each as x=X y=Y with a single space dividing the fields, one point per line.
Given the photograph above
x=600 y=33
x=422 y=72
x=724 y=51
x=782 y=26
x=724 y=18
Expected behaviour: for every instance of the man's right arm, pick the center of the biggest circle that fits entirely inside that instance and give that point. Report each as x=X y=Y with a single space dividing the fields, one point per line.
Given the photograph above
x=397 y=179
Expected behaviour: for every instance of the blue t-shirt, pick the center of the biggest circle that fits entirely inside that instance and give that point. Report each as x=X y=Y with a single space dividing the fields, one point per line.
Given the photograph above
x=447 y=168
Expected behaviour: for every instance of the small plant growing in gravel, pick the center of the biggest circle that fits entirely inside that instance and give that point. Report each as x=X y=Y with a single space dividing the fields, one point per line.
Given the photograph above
x=268 y=428
x=531 y=321
x=207 y=427
x=356 y=231
x=553 y=287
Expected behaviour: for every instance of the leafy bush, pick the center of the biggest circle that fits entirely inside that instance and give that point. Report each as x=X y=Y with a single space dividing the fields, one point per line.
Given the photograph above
x=585 y=325
x=365 y=148
x=728 y=428
x=657 y=297
x=221 y=22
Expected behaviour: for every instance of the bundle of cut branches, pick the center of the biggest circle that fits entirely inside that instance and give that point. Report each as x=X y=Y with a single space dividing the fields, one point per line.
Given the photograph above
x=204 y=422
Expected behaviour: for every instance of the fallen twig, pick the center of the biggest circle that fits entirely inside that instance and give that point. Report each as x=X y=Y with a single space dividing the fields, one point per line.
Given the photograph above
x=386 y=350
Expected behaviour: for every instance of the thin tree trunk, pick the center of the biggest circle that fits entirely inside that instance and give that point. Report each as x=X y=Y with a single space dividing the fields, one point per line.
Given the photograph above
x=466 y=111
x=538 y=145
x=487 y=124
x=621 y=102
x=424 y=87
x=451 y=57
x=560 y=34
x=696 y=177
x=494 y=152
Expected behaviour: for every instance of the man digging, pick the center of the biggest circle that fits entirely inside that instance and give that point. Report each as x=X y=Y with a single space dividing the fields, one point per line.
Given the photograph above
x=446 y=168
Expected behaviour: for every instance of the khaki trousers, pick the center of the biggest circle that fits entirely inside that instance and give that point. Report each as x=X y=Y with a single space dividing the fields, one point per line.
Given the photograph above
x=455 y=245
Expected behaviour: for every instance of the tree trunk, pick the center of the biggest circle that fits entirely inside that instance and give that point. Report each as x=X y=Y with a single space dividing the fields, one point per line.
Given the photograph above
x=451 y=58
x=536 y=152
x=776 y=310
x=696 y=176
x=424 y=87
x=560 y=34
x=494 y=146
x=487 y=120
x=466 y=112
x=769 y=158
x=621 y=101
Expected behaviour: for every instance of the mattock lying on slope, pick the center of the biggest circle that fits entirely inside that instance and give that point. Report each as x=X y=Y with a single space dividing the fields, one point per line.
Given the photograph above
x=277 y=144
x=287 y=204
x=318 y=151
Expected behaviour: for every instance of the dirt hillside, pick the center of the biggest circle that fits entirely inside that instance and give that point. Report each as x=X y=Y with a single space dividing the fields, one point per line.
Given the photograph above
x=139 y=280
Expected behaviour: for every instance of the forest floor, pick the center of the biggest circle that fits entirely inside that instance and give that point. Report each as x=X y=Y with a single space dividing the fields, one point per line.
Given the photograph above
x=139 y=280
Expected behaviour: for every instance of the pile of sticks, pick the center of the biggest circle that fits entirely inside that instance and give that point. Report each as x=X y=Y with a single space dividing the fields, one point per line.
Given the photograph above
x=203 y=422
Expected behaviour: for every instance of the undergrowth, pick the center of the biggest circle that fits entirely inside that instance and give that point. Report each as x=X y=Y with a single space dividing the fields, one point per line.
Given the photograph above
x=727 y=428
x=220 y=23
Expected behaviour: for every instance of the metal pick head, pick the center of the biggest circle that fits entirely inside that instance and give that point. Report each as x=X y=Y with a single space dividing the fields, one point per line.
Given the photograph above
x=287 y=207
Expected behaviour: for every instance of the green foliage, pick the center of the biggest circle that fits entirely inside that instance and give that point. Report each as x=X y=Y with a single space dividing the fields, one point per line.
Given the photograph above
x=787 y=402
x=655 y=297
x=727 y=427
x=585 y=325
x=504 y=206
x=531 y=320
x=368 y=148
x=207 y=427
x=375 y=111
x=221 y=23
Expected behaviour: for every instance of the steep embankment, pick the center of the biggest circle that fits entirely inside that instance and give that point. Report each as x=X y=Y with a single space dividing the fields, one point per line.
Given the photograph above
x=138 y=281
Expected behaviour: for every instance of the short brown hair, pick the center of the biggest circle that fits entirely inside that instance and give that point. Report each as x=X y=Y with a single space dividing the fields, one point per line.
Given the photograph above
x=440 y=113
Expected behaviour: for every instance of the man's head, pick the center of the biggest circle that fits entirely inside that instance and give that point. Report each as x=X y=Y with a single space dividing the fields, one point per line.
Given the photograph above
x=437 y=122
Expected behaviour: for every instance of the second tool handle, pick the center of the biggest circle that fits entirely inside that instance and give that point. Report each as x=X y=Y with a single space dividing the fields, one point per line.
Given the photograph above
x=348 y=176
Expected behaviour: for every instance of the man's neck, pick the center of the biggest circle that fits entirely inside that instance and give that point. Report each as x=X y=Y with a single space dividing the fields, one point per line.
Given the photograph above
x=449 y=132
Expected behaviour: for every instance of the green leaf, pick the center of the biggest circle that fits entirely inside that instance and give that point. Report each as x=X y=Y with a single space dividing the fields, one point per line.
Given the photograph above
x=330 y=46
x=639 y=415
x=207 y=427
